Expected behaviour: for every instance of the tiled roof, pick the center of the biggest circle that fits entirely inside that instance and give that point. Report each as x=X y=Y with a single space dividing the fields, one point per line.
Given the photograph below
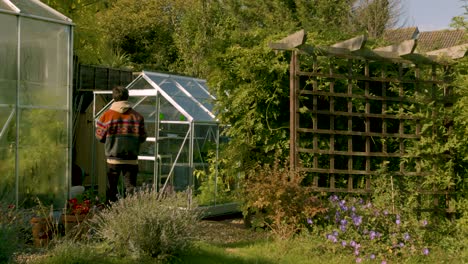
x=395 y=36
x=441 y=39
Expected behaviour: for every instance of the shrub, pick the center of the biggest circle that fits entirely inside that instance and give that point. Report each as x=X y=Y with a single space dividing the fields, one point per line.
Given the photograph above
x=11 y=237
x=143 y=224
x=275 y=197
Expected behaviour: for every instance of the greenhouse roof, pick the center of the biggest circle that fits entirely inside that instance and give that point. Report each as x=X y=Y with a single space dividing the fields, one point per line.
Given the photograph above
x=188 y=95
x=34 y=9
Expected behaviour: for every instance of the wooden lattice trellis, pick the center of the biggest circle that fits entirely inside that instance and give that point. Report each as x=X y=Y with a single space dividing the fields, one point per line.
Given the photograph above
x=349 y=107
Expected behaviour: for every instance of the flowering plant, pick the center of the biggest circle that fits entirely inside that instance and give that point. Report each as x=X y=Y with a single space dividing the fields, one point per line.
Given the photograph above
x=369 y=232
x=75 y=207
x=83 y=204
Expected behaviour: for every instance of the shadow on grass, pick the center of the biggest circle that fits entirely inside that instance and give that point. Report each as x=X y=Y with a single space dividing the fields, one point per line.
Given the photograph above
x=214 y=255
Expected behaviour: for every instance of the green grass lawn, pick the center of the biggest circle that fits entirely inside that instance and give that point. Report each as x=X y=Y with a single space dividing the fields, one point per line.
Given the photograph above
x=228 y=242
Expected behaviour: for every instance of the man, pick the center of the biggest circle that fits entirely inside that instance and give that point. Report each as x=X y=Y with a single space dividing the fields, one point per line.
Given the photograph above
x=122 y=131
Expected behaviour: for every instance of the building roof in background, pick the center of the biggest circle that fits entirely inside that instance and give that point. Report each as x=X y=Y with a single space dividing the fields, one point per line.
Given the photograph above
x=427 y=40
x=395 y=36
x=440 y=39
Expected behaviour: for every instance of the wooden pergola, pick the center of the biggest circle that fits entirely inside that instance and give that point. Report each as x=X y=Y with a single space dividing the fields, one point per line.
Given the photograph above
x=348 y=107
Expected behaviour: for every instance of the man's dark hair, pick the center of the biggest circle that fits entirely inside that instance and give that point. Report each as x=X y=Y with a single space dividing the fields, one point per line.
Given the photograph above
x=119 y=93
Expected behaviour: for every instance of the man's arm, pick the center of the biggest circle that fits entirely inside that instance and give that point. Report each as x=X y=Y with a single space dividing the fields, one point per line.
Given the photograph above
x=101 y=130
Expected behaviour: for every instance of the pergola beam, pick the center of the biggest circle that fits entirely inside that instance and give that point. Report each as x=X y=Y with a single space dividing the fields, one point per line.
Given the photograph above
x=352 y=44
x=404 y=48
x=290 y=42
x=455 y=52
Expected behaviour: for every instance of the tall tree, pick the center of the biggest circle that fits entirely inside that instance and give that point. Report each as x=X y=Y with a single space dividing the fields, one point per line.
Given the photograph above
x=90 y=42
x=374 y=16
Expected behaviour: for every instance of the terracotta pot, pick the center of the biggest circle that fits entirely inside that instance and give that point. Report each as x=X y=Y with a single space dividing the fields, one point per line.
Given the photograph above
x=40 y=231
x=71 y=222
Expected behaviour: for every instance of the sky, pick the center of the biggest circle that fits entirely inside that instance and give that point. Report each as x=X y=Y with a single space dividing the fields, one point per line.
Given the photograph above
x=430 y=15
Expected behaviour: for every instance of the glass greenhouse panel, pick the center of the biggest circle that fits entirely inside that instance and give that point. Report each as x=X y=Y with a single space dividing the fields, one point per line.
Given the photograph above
x=145 y=173
x=182 y=97
x=168 y=112
x=173 y=146
x=43 y=155
x=7 y=154
x=204 y=143
x=198 y=91
x=44 y=64
x=8 y=57
x=193 y=109
x=140 y=84
x=145 y=105
x=36 y=8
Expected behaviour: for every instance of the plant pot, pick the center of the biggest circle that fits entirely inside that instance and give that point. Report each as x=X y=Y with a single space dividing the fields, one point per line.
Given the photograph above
x=40 y=231
x=71 y=222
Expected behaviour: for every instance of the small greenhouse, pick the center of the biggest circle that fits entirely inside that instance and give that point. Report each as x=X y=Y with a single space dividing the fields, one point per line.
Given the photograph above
x=35 y=78
x=182 y=148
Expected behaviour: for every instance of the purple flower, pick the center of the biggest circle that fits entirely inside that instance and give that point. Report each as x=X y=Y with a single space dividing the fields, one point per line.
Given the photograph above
x=406 y=236
x=353 y=209
x=357 y=220
x=356 y=252
x=358 y=260
x=334 y=198
x=335 y=233
x=309 y=221
x=332 y=238
x=424 y=222
x=343 y=228
x=425 y=251
x=383 y=262
x=372 y=235
x=385 y=212
x=343 y=243
x=398 y=222
x=372 y=256
x=401 y=244
x=352 y=243
x=344 y=222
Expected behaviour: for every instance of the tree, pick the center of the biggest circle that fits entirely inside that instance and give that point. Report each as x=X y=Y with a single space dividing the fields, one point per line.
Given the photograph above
x=374 y=16
x=90 y=43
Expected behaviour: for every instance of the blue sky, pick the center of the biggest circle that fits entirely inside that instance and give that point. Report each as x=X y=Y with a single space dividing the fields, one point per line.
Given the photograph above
x=431 y=14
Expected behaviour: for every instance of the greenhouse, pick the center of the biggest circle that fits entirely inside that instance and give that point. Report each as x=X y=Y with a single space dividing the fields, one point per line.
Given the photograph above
x=36 y=54
x=182 y=148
